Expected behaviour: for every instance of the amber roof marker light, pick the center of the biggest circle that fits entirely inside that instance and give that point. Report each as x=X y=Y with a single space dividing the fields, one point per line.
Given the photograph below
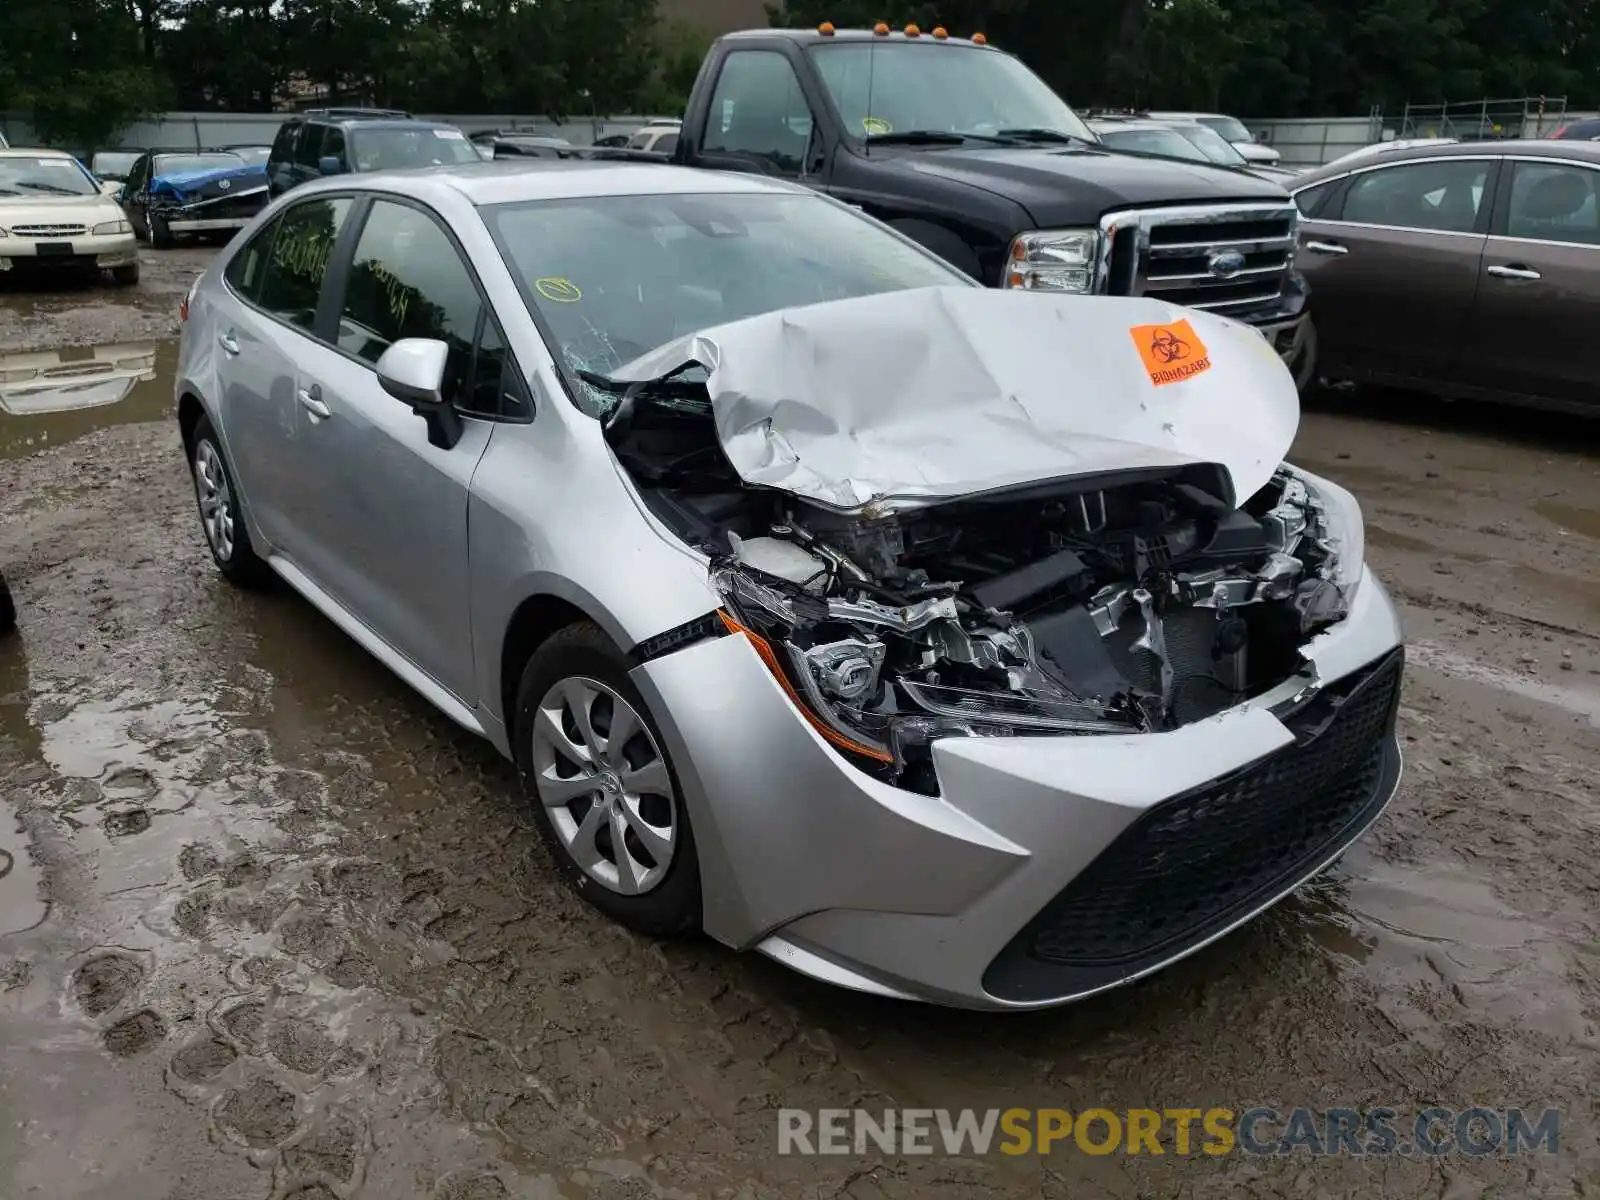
x=826 y=29
x=881 y=29
x=979 y=40
x=940 y=33
x=913 y=31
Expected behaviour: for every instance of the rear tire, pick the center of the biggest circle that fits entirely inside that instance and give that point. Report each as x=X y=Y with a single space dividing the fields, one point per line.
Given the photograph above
x=125 y=276
x=609 y=808
x=221 y=518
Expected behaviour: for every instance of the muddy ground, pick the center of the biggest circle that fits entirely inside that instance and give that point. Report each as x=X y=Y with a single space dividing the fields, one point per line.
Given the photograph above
x=269 y=926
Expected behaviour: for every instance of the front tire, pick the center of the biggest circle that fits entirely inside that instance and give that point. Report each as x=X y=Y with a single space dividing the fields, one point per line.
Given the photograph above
x=125 y=276
x=604 y=794
x=8 y=609
x=160 y=235
x=221 y=519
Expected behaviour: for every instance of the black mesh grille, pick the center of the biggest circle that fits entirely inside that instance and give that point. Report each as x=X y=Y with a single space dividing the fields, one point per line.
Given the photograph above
x=1196 y=863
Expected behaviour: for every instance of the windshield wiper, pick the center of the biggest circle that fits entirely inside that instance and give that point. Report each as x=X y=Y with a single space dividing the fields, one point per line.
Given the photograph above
x=929 y=137
x=54 y=189
x=1045 y=135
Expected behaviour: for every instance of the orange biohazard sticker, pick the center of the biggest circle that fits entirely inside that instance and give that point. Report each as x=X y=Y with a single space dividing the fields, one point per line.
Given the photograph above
x=1171 y=353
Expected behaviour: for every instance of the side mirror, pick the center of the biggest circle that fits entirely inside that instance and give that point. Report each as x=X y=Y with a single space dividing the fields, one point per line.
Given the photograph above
x=412 y=371
x=329 y=164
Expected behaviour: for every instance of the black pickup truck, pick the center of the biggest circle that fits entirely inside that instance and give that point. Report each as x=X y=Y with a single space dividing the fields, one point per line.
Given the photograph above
x=963 y=148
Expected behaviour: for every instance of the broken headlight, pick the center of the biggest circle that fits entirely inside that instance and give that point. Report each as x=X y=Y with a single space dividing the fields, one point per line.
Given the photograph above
x=1343 y=531
x=880 y=681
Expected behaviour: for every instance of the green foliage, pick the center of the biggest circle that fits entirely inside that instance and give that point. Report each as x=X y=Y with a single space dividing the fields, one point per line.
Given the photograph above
x=80 y=69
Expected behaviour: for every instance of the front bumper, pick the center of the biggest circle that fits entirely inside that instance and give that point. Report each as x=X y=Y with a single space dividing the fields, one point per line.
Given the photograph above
x=1048 y=868
x=111 y=250
x=185 y=224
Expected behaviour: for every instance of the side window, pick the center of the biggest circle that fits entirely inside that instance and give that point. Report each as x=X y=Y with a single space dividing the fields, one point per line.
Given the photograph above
x=137 y=176
x=758 y=111
x=486 y=386
x=408 y=280
x=1311 y=199
x=1554 y=202
x=667 y=144
x=332 y=144
x=283 y=144
x=639 y=141
x=1438 y=194
x=292 y=282
x=245 y=271
x=309 y=149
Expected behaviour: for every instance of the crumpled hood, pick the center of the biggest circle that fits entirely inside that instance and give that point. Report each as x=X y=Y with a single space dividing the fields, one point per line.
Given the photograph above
x=904 y=398
x=240 y=179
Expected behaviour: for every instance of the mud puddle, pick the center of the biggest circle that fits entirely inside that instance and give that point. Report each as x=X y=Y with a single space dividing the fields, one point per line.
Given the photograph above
x=49 y=397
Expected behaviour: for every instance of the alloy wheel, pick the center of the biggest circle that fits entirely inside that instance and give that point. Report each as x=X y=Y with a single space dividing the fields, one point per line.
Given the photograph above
x=216 y=499
x=604 y=785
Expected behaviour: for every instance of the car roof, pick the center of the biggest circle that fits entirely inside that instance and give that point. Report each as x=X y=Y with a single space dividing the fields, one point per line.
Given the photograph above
x=813 y=36
x=1173 y=115
x=33 y=152
x=508 y=181
x=1102 y=124
x=1578 y=151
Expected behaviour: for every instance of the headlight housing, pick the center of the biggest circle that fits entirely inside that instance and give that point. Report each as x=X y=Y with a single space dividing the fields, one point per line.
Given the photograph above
x=859 y=674
x=1053 y=260
x=110 y=228
x=1344 y=530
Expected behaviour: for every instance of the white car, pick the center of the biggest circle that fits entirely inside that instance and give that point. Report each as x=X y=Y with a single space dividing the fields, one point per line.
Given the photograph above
x=660 y=136
x=54 y=216
x=1229 y=127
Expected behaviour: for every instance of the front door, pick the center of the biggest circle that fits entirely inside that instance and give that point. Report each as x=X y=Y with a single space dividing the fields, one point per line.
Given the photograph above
x=1539 y=294
x=387 y=509
x=1393 y=268
x=760 y=120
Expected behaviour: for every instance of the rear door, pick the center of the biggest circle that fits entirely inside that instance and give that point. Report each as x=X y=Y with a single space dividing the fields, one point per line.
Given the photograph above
x=1539 y=295
x=1392 y=260
x=387 y=510
x=276 y=281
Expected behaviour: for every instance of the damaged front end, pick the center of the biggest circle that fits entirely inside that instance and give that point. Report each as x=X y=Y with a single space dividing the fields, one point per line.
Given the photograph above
x=1131 y=601
x=1010 y=529
x=201 y=201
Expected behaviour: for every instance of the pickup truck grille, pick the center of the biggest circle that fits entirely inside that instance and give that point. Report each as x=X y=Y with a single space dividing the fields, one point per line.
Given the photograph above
x=1228 y=258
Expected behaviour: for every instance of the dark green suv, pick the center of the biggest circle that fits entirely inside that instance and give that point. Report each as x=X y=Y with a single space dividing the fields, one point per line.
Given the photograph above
x=337 y=141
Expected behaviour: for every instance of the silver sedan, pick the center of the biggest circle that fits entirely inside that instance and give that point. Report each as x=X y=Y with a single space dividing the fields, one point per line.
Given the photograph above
x=943 y=643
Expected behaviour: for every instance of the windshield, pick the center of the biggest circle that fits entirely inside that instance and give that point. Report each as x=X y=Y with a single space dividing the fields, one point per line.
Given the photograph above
x=183 y=164
x=1229 y=127
x=899 y=87
x=1212 y=144
x=253 y=154
x=1167 y=143
x=113 y=164
x=616 y=276
x=397 y=149
x=45 y=175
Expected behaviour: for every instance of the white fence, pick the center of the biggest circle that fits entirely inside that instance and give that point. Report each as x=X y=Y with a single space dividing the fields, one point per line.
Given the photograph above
x=199 y=130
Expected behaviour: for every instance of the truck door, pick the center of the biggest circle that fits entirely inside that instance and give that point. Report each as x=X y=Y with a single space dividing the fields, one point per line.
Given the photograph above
x=761 y=121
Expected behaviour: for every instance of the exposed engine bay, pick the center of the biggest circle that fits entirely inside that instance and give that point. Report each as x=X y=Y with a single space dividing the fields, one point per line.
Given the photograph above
x=1131 y=601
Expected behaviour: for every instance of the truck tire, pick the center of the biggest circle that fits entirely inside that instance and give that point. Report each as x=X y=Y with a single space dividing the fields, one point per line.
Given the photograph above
x=947 y=245
x=160 y=235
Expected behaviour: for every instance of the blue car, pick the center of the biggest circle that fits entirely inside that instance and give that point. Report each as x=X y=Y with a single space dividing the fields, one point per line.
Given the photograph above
x=172 y=194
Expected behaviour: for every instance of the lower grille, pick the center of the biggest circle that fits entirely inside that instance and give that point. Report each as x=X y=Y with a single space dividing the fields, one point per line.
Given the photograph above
x=1195 y=864
x=49 y=231
x=1227 y=258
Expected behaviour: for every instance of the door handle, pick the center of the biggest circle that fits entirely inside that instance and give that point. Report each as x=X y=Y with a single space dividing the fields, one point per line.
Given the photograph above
x=1327 y=248
x=1514 y=273
x=229 y=343
x=311 y=400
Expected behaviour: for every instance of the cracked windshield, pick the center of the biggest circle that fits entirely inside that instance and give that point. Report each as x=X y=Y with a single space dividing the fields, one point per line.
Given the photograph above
x=853 y=635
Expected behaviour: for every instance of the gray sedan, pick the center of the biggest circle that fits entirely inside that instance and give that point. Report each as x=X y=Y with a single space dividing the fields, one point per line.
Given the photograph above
x=937 y=641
